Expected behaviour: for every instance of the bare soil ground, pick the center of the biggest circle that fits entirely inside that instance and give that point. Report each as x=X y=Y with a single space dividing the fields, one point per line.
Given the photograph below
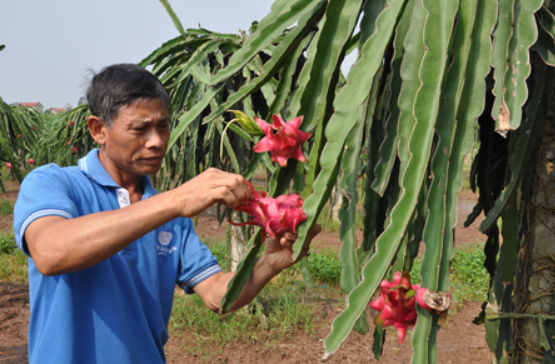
x=460 y=341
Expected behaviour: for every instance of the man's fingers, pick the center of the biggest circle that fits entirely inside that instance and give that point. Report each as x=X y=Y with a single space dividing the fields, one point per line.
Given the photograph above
x=241 y=197
x=290 y=236
x=225 y=196
x=240 y=188
x=286 y=243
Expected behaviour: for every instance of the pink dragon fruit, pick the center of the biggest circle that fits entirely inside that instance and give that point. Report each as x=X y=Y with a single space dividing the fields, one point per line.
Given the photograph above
x=273 y=215
x=9 y=165
x=31 y=161
x=71 y=122
x=397 y=304
x=283 y=139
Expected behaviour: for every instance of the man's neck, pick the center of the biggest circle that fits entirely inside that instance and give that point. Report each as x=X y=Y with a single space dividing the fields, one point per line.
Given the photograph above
x=128 y=181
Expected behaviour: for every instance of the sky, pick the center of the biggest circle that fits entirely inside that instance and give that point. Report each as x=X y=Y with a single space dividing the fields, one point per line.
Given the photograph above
x=51 y=45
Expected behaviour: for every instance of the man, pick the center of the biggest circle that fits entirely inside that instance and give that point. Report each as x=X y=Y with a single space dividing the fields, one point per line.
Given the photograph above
x=106 y=249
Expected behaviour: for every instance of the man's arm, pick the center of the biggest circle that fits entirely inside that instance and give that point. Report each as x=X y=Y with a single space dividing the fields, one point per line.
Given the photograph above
x=277 y=257
x=59 y=245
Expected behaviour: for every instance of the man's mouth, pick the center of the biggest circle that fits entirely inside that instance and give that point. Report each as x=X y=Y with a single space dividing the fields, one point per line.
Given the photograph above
x=154 y=160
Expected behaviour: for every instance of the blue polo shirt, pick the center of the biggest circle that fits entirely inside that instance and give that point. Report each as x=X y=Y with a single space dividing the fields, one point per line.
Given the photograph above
x=118 y=310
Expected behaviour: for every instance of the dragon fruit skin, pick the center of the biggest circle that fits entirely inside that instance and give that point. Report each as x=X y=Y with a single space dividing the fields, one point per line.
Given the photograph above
x=273 y=215
x=285 y=143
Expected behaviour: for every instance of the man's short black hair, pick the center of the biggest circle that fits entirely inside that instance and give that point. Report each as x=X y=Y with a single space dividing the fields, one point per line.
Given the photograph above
x=120 y=85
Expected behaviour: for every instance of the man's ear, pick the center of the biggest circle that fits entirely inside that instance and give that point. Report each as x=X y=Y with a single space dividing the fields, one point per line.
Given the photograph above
x=97 y=128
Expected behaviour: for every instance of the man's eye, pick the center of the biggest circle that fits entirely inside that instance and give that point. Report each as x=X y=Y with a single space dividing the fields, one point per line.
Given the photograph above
x=140 y=129
x=165 y=126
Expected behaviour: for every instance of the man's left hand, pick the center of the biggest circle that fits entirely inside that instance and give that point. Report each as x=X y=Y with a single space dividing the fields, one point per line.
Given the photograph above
x=279 y=250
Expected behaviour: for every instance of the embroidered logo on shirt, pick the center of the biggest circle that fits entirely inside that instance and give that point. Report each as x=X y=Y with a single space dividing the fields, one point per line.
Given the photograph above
x=164 y=238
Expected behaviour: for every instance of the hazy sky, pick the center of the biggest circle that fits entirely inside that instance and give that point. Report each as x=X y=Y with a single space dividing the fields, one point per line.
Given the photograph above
x=51 y=44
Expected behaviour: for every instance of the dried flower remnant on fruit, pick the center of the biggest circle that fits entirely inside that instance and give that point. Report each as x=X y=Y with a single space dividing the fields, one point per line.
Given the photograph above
x=283 y=139
x=273 y=215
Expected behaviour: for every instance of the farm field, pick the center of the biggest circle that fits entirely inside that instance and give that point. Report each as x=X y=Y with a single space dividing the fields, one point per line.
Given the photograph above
x=261 y=339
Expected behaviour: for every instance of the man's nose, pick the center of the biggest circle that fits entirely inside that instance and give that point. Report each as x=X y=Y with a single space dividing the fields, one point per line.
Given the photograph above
x=155 y=139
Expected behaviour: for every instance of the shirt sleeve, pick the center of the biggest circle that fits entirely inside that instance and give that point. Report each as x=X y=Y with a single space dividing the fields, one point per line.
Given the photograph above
x=196 y=262
x=44 y=192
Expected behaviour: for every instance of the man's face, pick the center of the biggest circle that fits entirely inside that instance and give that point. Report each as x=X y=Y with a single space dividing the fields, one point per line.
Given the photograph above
x=137 y=141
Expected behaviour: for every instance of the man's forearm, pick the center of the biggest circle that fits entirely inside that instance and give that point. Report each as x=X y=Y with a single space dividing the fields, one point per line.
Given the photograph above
x=59 y=245
x=213 y=289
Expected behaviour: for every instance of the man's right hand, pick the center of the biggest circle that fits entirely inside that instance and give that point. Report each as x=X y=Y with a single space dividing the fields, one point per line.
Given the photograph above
x=210 y=187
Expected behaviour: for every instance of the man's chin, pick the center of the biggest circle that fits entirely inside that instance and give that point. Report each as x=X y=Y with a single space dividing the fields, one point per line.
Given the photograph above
x=150 y=169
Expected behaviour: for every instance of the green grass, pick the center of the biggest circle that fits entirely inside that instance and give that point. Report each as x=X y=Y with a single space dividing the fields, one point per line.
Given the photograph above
x=220 y=251
x=13 y=263
x=278 y=311
x=7 y=243
x=469 y=279
x=324 y=267
x=6 y=207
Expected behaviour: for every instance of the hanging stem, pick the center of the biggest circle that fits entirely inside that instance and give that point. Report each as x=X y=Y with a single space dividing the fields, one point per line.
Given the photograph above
x=223 y=137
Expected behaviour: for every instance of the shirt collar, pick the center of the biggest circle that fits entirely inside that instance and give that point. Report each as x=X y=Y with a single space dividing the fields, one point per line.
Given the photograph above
x=93 y=168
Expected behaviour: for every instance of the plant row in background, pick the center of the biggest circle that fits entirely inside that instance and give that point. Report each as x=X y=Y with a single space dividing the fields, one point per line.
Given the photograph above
x=29 y=138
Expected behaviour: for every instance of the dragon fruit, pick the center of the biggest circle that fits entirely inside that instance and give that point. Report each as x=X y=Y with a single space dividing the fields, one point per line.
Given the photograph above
x=71 y=122
x=31 y=161
x=283 y=139
x=397 y=304
x=9 y=165
x=273 y=215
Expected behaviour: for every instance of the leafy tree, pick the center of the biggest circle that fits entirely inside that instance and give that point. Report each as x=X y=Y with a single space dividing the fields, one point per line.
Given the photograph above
x=19 y=128
x=65 y=137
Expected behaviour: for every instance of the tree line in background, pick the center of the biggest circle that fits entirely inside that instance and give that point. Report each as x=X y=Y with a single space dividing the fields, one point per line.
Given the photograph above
x=433 y=79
